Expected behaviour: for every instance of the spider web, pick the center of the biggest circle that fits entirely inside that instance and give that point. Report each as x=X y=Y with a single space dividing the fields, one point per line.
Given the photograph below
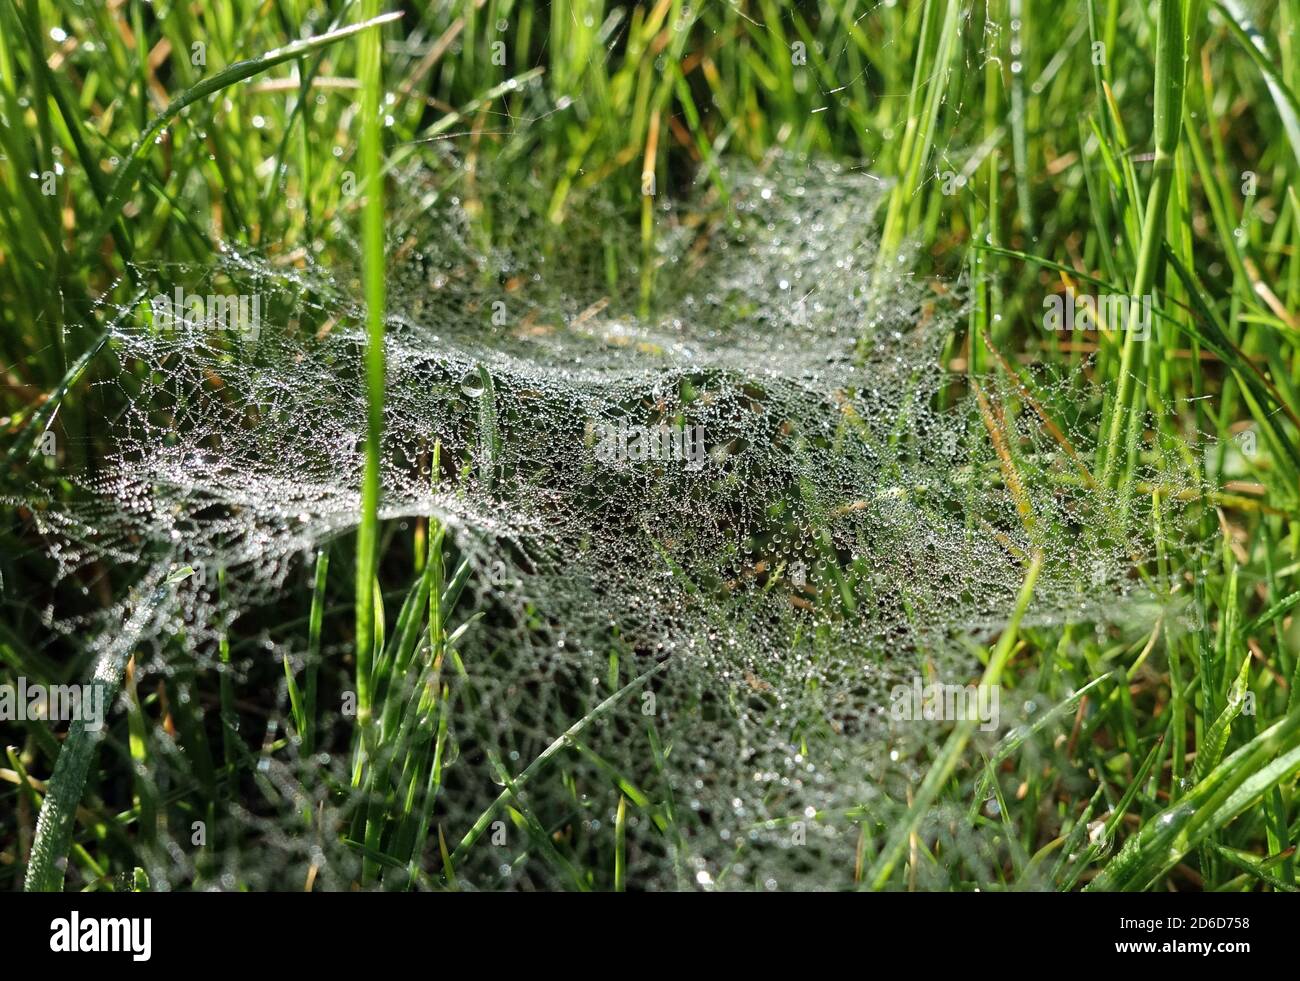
x=844 y=524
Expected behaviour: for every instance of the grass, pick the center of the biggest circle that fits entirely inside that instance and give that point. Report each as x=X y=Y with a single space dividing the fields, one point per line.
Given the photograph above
x=1171 y=52
x=374 y=270
x=1135 y=149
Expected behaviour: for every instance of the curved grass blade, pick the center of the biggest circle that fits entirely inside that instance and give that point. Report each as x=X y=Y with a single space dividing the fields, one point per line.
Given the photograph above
x=240 y=70
x=1231 y=787
x=1288 y=107
x=562 y=740
x=54 y=826
x=1016 y=738
x=948 y=757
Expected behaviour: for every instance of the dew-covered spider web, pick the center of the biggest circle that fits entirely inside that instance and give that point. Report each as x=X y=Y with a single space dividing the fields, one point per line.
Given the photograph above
x=769 y=499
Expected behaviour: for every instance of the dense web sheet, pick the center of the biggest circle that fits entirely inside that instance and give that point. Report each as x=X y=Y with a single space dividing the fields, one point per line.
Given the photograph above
x=771 y=489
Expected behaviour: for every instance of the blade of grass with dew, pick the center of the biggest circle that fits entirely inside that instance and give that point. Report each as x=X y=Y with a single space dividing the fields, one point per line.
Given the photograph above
x=45 y=871
x=1237 y=782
